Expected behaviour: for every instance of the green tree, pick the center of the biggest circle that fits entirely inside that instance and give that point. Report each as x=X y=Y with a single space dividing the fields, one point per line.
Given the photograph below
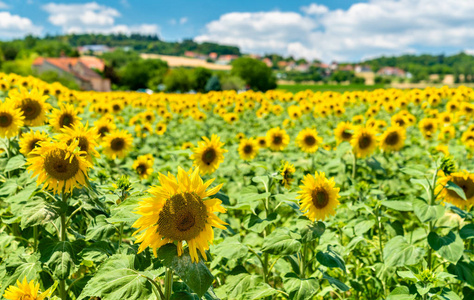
x=179 y=80
x=255 y=73
x=213 y=84
x=140 y=74
x=200 y=77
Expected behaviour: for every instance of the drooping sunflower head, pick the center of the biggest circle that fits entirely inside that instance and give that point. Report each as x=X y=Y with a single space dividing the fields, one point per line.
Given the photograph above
x=143 y=166
x=11 y=119
x=32 y=104
x=59 y=166
x=66 y=116
x=248 y=149
x=318 y=196
x=364 y=141
x=104 y=126
x=344 y=132
x=392 y=139
x=277 y=139
x=179 y=210
x=117 y=144
x=25 y=290
x=465 y=181
x=286 y=171
x=308 y=140
x=209 y=154
x=30 y=140
x=85 y=136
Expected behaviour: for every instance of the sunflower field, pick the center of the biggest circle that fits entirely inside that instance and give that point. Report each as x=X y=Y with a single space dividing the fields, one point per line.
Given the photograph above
x=124 y=195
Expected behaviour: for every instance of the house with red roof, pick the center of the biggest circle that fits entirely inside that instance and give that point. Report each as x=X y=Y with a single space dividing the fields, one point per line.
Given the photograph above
x=80 y=69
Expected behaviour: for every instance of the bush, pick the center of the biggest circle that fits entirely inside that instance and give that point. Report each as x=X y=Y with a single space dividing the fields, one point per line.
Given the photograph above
x=200 y=78
x=143 y=74
x=232 y=83
x=358 y=80
x=179 y=80
x=256 y=74
x=213 y=84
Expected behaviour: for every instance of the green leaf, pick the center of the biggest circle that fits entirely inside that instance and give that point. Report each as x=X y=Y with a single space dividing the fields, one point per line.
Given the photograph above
x=467 y=232
x=124 y=212
x=118 y=279
x=398 y=252
x=37 y=212
x=300 y=289
x=262 y=290
x=363 y=227
x=398 y=205
x=281 y=242
x=60 y=257
x=223 y=198
x=230 y=248
x=312 y=231
x=196 y=275
x=426 y=212
x=464 y=271
x=14 y=163
x=457 y=189
x=424 y=183
x=412 y=171
x=19 y=268
x=337 y=283
x=97 y=252
x=401 y=293
x=449 y=247
x=255 y=224
x=237 y=285
x=100 y=229
x=330 y=259
x=182 y=295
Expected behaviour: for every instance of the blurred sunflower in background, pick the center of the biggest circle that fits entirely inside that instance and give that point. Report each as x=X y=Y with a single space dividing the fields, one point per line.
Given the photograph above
x=143 y=166
x=392 y=139
x=187 y=145
x=318 y=196
x=179 y=210
x=308 y=140
x=30 y=140
x=64 y=117
x=277 y=139
x=61 y=167
x=248 y=149
x=11 y=119
x=261 y=142
x=104 y=126
x=364 y=141
x=25 y=291
x=344 y=132
x=465 y=181
x=117 y=144
x=428 y=127
x=161 y=128
x=286 y=171
x=209 y=154
x=32 y=104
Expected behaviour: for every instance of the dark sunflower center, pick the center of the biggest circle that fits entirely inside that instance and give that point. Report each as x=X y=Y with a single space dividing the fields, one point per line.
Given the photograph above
x=248 y=149
x=33 y=144
x=58 y=167
x=392 y=138
x=31 y=109
x=117 y=144
x=400 y=122
x=365 y=141
x=116 y=107
x=148 y=117
x=320 y=198
x=428 y=127
x=103 y=130
x=65 y=120
x=83 y=143
x=183 y=217
x=467 y=186
x=209 y=156
x=6 y=119
x=141 y=169
x=346 y=135
x=309 y=140
x=277 y=139
x=262 y=142
x=160 y=128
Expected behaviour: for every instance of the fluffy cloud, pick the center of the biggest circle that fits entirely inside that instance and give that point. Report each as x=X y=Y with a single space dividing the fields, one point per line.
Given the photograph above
x=362 y=30
x=14 y=26
x=92 y=18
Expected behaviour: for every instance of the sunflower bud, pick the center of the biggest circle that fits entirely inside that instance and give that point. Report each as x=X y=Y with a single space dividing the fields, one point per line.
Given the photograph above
x=447 y=165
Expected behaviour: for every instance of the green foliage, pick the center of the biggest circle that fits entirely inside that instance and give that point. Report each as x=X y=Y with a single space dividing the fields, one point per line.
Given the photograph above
x=200 y=78
x=213 y=84
x=179 y=79
x=255 y=73
x=140 y=74
x=51 y=77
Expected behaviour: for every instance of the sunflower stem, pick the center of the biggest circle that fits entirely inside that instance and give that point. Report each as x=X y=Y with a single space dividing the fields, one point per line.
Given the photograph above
x=35 y=235
x=168 y=283
x=354 y=165
x=63 y=238
x=120 y=236
x=379 y=233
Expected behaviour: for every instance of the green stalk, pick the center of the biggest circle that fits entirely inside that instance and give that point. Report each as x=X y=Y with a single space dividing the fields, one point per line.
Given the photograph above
x=354 y=165
x=168 y=283
x=35 y=235
x=120 y=236
x=63 y=238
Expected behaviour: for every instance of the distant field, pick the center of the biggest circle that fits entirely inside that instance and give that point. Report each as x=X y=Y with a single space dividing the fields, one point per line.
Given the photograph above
x=179 y=61
x=328 y=87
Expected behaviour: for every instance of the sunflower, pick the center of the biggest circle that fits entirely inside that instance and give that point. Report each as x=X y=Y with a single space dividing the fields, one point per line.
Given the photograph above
x=64 y=117
x=308 y=140
x=143 y=166
x=428 y=127
x=344 y=132
x=87 y=138
x=277 y=139
x=262 y=142
x=161 y=128
x=178 y=211
x=61 y=167
x=104 y=126
x=187 y=145
x=32 y=104
x=318 y=196
x=364 y=142
x=286 y=171
x=208 y=155
x=248 y=149
x=117 y=144
x=11 y=119
x=465 y=181
x=30 y=140
x=392 y=139
x=25 y=291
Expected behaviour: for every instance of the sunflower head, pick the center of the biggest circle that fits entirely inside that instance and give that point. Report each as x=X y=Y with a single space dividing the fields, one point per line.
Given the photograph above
x=277 y=139
x=11 y=119
x=364 y=142
x=318 y=196
x=85 y=136
x=161 y=128
x=248 y=149
x=392 y=139
x=32 y=104
x=25 y=290
x=66 y=116
x=209 y=154
x=344 y=132
x=308 y=140
x=465 y=181
x=286 y=171
x=187 y=145
x=30 y=140
x=104 y=126
x=262 y=142
x=179 y=209
x=143 y=166
x=117 y=144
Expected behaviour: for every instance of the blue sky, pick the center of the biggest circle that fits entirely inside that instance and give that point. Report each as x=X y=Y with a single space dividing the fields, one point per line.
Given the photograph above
x=328 y=30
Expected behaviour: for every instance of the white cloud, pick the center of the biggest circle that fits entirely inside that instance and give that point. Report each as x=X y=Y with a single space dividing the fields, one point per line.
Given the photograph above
x=183 y=20
x=362 y=30
x=92 y=18
x=315 y=9
x=3 y=5
x=14 y=26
